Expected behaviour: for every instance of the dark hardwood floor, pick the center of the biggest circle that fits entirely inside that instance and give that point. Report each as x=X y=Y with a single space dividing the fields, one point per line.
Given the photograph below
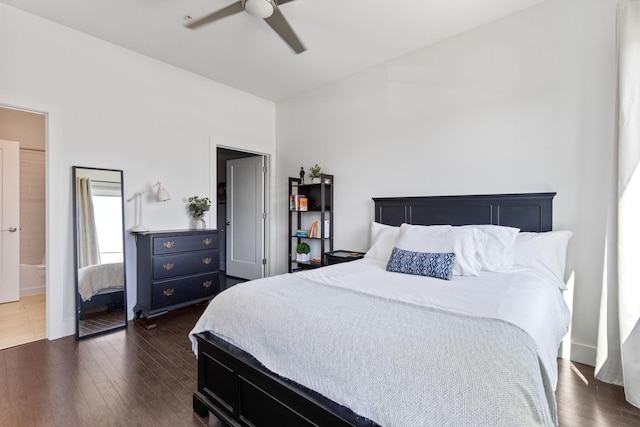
x=145 y=377
x=133 y=377
x=585 y=401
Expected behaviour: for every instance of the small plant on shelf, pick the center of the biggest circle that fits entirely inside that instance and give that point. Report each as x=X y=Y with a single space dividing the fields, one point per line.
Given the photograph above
x=314 y=173
x=303 y=252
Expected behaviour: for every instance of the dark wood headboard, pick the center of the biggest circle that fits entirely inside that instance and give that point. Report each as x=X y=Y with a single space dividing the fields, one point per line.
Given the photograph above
x=527 y=211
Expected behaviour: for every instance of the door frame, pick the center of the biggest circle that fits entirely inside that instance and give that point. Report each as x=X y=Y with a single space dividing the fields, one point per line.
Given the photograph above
x=213 y=186
x=57 y=325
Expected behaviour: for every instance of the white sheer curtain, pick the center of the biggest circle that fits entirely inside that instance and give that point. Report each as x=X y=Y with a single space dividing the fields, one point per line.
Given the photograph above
x=618 y=358
x=88 y=250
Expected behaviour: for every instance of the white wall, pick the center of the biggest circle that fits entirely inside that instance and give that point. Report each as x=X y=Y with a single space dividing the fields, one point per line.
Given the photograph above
x=108 y=107
x=524 y=104
x=32 y=208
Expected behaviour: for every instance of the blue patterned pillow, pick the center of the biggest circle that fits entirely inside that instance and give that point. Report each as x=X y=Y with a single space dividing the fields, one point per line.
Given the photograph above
x=438 y=265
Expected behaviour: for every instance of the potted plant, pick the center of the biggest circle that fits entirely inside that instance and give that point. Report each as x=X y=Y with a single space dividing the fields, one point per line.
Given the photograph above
x=197 y=208
x=303 y=252
x=314 y=174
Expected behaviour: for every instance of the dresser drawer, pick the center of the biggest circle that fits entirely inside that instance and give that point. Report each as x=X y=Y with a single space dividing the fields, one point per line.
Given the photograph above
x=178 y=291
x=168 y=266
x=174 y=244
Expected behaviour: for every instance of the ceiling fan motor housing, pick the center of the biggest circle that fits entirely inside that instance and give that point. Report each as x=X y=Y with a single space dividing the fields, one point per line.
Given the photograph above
x=260 y=8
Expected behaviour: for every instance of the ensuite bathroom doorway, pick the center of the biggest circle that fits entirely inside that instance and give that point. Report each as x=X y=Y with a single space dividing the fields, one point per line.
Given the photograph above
x=23 y=319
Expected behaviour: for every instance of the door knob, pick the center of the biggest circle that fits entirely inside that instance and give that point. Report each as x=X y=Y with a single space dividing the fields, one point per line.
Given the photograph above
x=11 y=230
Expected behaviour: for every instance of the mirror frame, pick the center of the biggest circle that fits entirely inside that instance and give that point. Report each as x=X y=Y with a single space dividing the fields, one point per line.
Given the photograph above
x=78 y=298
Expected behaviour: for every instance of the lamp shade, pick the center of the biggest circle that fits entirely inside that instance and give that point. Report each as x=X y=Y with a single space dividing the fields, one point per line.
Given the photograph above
x=162 y=195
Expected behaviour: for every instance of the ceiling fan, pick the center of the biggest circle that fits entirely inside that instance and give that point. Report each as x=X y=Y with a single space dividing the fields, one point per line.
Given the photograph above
x=265 y=9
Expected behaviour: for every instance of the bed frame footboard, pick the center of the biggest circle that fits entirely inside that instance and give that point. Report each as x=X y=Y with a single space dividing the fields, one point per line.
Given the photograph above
x=237 y=389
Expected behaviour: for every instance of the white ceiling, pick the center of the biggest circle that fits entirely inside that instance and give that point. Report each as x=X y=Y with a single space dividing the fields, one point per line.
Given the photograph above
x=342 y=36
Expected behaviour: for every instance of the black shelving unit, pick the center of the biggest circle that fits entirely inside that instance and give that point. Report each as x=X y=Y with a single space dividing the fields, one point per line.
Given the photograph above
x=319 y=207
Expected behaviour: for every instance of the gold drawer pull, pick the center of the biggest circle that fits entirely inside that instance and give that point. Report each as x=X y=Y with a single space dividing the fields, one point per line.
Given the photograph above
x=168 y=245
x=206 y=261
x=168 y=292
x=168 y=266
x=207 y=241
x=207 y=283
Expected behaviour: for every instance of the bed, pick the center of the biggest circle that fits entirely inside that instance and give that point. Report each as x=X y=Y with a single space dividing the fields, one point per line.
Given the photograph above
x=344 y=348
x=101 y=285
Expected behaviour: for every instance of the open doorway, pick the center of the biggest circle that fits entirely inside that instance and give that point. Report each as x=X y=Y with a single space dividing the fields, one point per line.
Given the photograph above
x=24 y=320
x=241 y=214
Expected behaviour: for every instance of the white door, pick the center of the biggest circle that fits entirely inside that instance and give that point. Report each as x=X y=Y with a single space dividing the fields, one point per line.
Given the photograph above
x=245 y=217
x=9 y=221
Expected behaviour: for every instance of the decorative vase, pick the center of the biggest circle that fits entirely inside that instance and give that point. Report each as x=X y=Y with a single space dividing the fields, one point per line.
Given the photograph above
x=199 y=223
x=303 y=257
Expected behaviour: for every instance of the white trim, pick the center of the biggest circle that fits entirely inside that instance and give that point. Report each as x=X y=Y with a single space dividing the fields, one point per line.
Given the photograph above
x=58 y=298
x=35 y=290
x=583 y=353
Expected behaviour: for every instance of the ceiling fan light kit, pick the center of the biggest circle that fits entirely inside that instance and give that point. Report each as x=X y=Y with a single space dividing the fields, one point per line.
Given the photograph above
x=265 y=9
x=260 y=8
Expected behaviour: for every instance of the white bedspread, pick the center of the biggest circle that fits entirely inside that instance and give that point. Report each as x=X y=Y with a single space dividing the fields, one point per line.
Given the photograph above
x=404 y=350
x=527 y=298
x=93 y=278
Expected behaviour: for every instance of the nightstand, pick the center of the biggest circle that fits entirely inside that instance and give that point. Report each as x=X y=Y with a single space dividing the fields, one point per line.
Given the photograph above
x=336 y=257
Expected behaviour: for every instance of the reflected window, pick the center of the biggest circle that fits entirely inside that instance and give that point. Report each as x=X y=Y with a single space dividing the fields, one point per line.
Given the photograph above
x=107 y=204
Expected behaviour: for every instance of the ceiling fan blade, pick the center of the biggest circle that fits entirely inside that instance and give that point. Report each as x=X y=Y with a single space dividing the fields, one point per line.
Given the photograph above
x=283 y=2
x=222 y=13
x=284 y=30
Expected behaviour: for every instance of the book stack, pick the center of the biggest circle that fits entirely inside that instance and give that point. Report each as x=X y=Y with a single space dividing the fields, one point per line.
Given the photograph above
x=298 y=202
x=302 y=233
x=314 y=231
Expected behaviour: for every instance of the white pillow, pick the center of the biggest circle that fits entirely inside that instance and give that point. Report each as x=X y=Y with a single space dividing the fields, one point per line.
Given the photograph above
x=383 y=239
x=464 y=242
x=543 y=251
x=497 y=255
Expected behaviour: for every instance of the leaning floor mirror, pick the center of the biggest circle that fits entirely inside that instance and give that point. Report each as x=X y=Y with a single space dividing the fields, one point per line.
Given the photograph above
x=99 y=251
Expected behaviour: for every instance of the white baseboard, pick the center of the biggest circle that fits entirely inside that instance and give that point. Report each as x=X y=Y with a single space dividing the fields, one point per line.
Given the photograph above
x=36 y=290
x=68 y=328
x=583 y=353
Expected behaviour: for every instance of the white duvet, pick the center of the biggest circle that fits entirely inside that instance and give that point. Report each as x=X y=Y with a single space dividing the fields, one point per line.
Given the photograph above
x=94 y=278
x=527 y=298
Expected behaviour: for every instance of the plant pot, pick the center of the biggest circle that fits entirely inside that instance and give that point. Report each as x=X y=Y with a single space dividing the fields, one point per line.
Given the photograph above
x=303 y=257
x=199 y=223
x=315 y=180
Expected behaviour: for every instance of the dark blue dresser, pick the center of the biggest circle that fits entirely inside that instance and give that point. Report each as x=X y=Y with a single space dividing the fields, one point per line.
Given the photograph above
x=175 y=269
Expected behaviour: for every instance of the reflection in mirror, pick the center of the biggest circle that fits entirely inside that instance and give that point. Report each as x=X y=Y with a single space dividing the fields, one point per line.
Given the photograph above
x=99 y=251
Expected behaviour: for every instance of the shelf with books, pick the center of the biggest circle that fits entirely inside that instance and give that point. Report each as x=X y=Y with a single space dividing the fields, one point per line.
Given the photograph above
x=310 y=217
